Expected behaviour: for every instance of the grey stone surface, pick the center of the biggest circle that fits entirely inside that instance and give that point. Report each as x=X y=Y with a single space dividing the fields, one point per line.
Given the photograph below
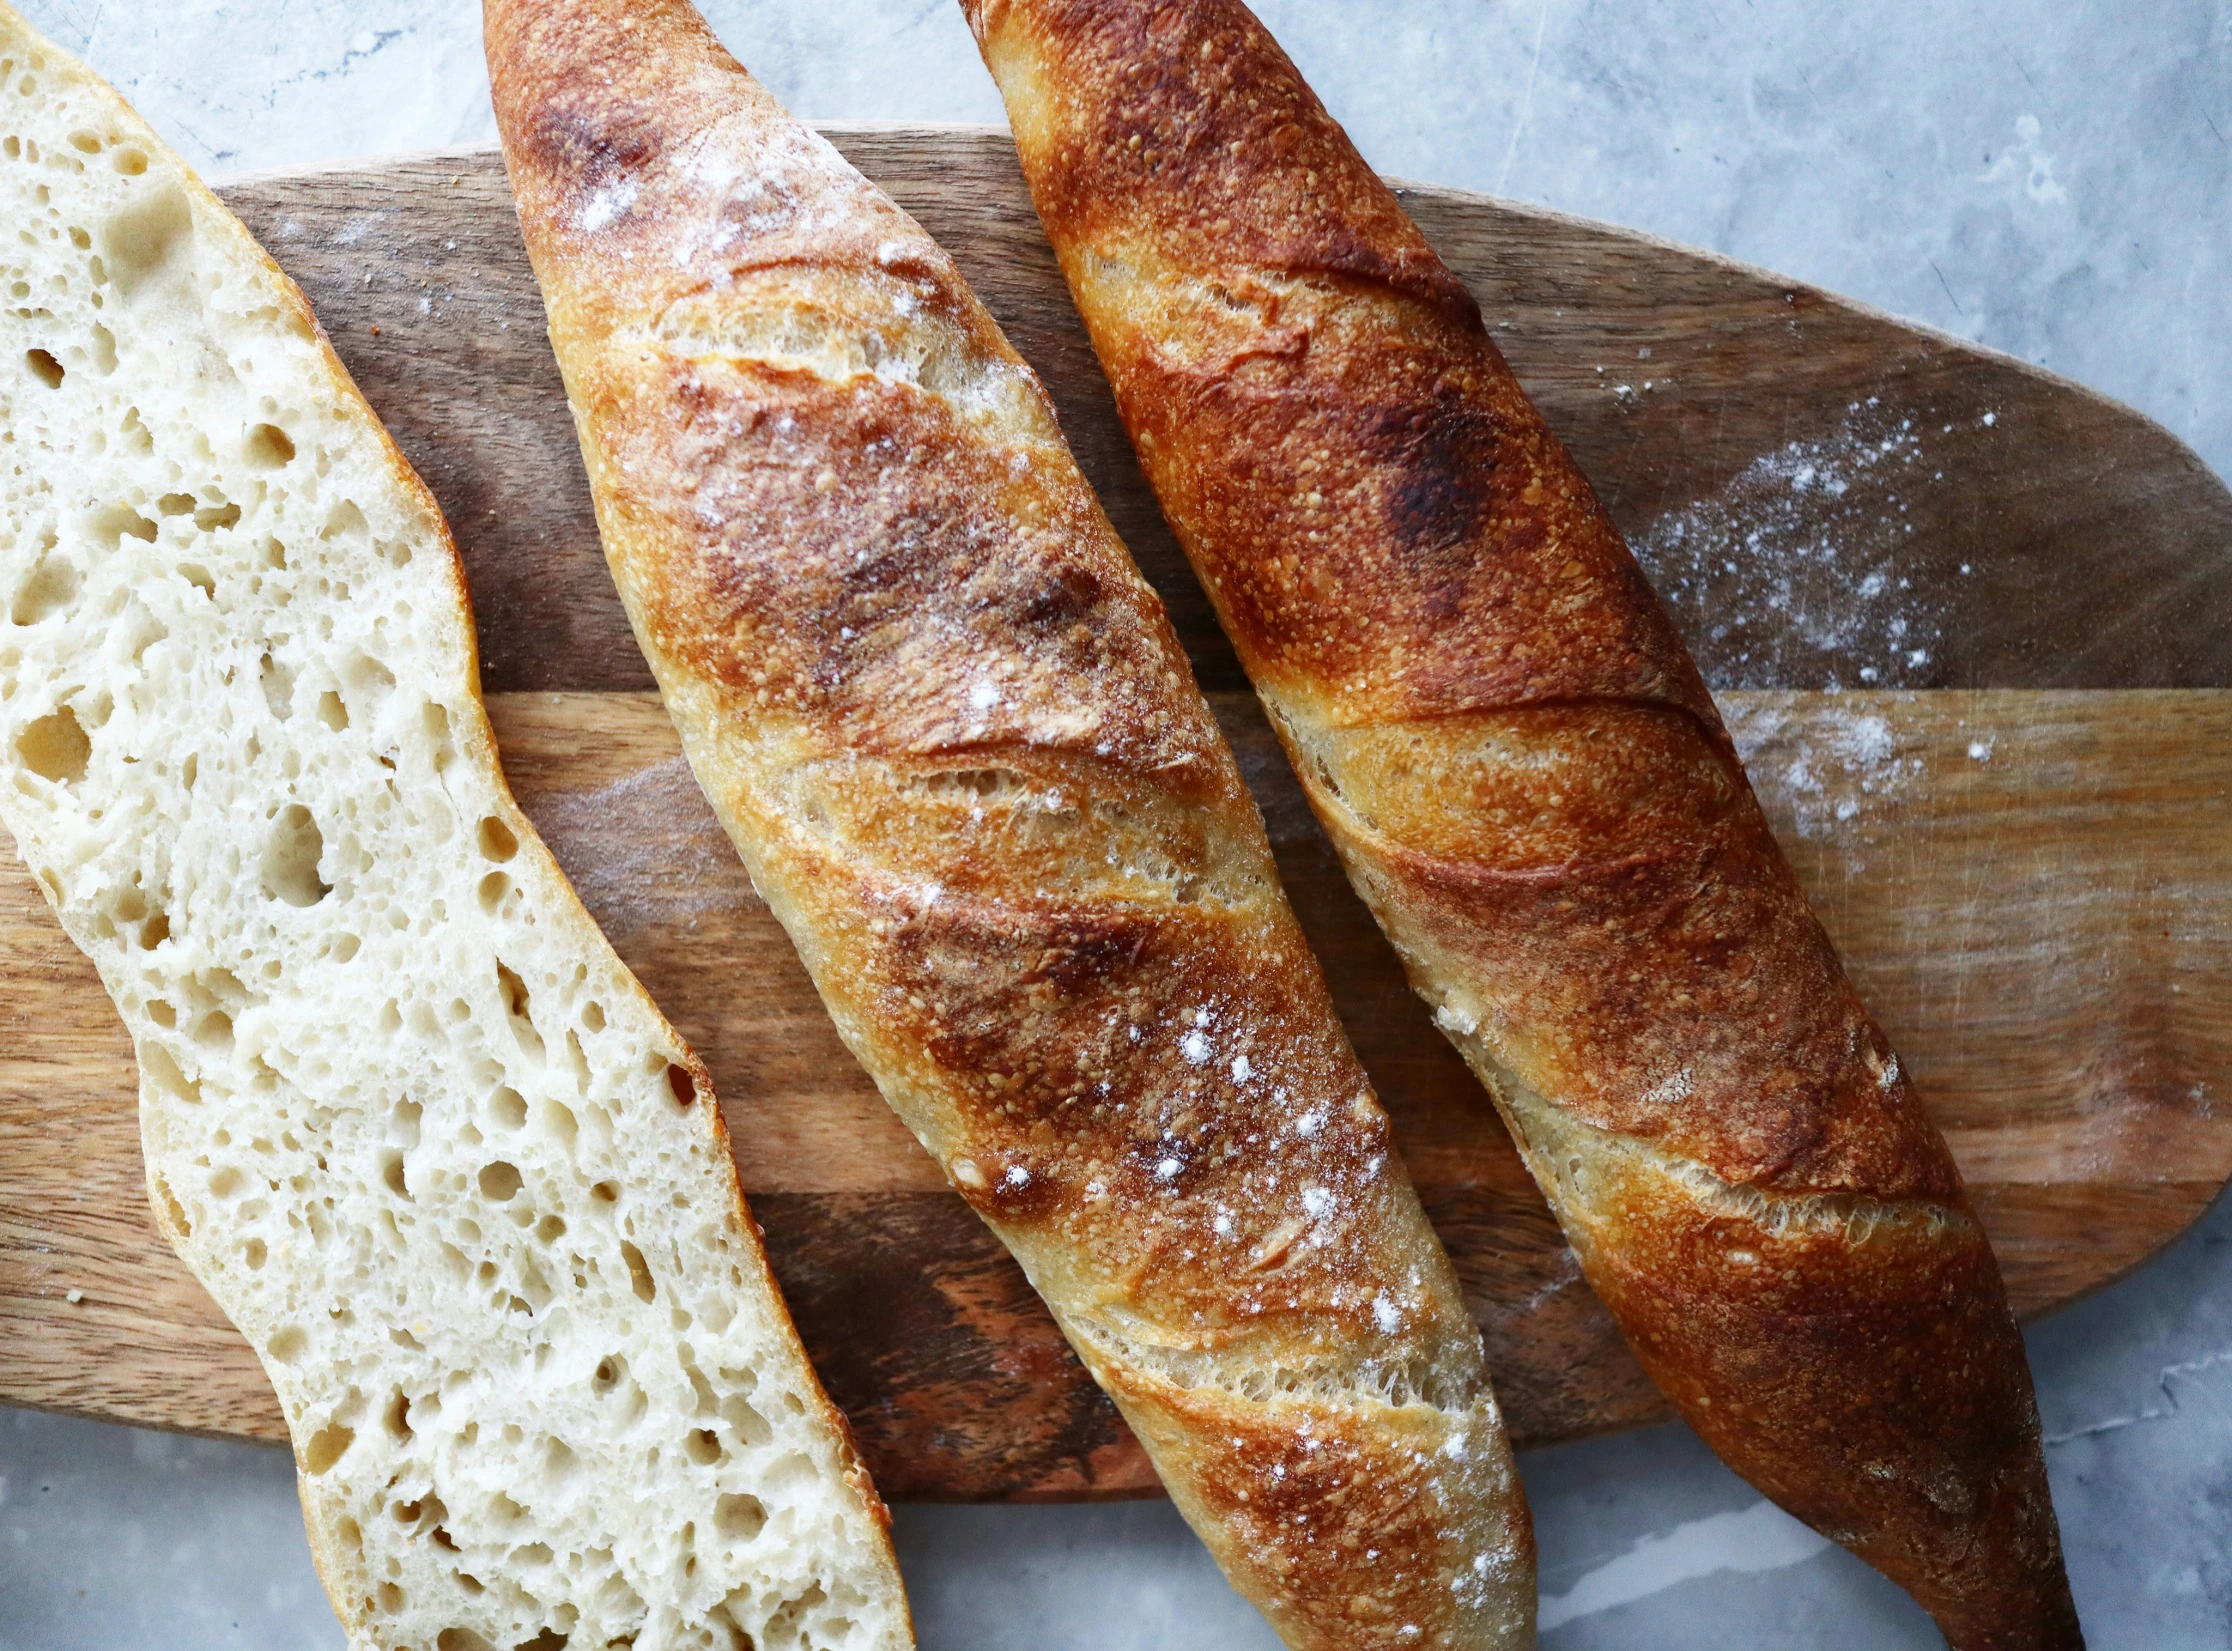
x=2048 y=177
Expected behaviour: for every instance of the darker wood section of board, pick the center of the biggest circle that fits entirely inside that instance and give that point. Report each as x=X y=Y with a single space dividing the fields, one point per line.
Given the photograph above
x=1823 y=495
x=962 y=1389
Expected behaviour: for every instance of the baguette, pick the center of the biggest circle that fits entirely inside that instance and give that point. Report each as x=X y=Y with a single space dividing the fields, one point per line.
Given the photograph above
x=954 y=738
x=1528 y=783
x=406 y=1115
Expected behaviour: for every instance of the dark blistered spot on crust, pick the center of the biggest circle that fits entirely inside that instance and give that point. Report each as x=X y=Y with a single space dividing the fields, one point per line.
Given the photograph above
x=1090 y=953
x=1438 y=492
x=1063 y=597
x=591 y=140
x=1385 y=519
x=579 y=98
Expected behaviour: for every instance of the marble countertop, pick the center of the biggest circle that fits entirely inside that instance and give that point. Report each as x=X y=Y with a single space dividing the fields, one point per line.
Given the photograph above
x=2049 y=177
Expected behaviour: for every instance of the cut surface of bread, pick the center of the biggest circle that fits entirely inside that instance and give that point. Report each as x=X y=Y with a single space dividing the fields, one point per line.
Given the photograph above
x=955 y=740
x=405 y=1113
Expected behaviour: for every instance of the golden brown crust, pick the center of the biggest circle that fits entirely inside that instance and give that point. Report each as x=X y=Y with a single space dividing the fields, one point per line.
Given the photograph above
x=1528 y=783
x=955 y=739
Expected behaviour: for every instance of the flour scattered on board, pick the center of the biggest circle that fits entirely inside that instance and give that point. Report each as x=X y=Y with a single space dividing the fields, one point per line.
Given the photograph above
x=1804 y=568
x=643 y=850
x=1820 y=772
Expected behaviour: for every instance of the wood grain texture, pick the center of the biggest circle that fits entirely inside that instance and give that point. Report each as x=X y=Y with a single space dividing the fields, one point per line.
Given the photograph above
x=2044 y=927
x=2080 y=1100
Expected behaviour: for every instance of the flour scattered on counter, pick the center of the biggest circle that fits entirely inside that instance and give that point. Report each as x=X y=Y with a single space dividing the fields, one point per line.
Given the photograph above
x=2026 y=166
x=1980 y=750
x=1802 y=567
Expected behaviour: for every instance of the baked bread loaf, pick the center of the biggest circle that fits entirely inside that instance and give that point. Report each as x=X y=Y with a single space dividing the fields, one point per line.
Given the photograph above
x=406 y=1114
x=951 y=731
x=1525 y=776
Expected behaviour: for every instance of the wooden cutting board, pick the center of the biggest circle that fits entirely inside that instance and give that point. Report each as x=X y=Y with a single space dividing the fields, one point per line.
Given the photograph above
x=2014 y=811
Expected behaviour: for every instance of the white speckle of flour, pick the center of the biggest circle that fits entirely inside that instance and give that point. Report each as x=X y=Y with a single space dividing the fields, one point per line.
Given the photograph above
x=606 y=204
x=1824 y=771
x=1195 y=1048
x=1317 y=1203
x=2025 y=166
x=1803 y=566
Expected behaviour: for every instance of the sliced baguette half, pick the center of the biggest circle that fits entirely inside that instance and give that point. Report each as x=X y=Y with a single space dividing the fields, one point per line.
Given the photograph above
x=406 y=1115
